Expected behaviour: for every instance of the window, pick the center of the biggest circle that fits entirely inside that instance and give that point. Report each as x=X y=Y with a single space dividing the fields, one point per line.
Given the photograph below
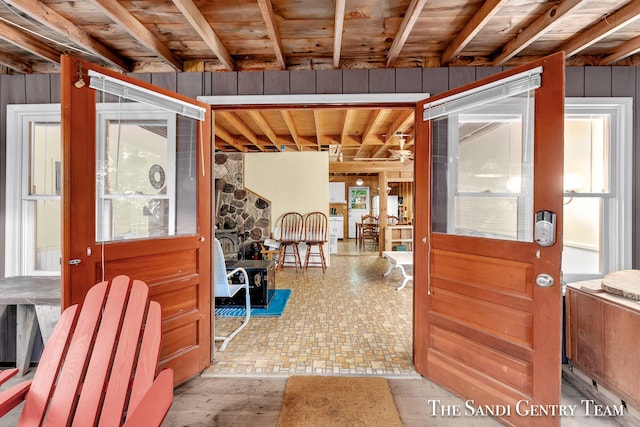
x=136 y=200
x=33 y=212
x=597 y=182
x=136 y=186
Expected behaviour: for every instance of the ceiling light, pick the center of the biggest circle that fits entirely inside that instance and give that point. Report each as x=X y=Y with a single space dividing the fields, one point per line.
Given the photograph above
x=359 y=181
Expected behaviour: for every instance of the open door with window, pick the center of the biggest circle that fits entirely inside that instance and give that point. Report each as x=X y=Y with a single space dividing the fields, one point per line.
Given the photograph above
x=488 y=298
x=136 y=200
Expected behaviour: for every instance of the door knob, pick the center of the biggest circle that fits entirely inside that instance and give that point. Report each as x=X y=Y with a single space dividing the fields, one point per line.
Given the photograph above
x=544 y=280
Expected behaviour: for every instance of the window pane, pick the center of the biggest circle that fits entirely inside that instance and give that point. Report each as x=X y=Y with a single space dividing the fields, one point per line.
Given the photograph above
x=136 y=154
x=44 y=159
x=146 y=181
x=586 y=158
x=582 y=233
x=483 y=171
x=47 y=235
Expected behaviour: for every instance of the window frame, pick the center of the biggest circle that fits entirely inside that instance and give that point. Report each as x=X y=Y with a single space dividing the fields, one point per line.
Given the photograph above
x=616 y=218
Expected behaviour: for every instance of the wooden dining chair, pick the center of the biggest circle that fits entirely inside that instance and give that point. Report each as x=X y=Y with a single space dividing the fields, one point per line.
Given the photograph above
x=291 y=229
x=315 y=236
x=369 y=230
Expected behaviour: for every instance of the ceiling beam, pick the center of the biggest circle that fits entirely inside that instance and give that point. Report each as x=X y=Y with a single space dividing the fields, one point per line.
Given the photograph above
x=270 y=21
x=14 y=63
x=288 y=119
x=369 y=167
x=534 y=31
x=625 y=50
x=316 y=121
x=477 y=22
x=338 y=27
x=226 y=136
x=239 y=125
x=28 y=43
x=410 y=17
x=606 y=26
x=349 y=115
x=376 y=116
x=53 y=20
x=129 y=23
x=262 y=124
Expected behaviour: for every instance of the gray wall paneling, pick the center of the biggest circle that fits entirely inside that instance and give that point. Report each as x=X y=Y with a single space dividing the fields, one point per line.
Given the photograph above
x=224 y=84
x=302 y=82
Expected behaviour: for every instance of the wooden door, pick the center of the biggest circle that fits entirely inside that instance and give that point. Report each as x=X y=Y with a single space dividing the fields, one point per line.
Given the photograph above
x=136 y=201
x=483 y=328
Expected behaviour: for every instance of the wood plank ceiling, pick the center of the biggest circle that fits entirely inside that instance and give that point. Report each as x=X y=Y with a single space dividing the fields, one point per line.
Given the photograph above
x=242 y=35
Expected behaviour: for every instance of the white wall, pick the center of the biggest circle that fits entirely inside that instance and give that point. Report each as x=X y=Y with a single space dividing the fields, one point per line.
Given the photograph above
x=292 y=182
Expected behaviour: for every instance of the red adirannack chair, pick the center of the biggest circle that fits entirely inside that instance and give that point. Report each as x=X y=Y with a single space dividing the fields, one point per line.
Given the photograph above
x=99 y=366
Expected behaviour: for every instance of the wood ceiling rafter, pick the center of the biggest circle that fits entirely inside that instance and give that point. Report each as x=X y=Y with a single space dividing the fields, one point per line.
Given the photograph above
x=318 y=126
x=58 y=23
x=266 y=8
x=625 y=50
x=376 y=117
x=346 y=127
x=411 y=16
x=28 y=43
x=538 y=28
x=337 y=31
x=14 y=63
x=244 y=130
x=193 y=15
x=605 y=27
x=369 y=167
x=288 y=120
x=226 y=136
x=137 y=30
x=262 y=124
x=488 y=9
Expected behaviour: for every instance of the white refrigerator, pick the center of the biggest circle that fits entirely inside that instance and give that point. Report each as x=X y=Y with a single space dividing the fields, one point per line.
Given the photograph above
x=392 y=206
x=358 y=205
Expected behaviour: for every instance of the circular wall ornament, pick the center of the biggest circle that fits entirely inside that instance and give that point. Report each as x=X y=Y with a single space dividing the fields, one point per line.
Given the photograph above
x=156 y=176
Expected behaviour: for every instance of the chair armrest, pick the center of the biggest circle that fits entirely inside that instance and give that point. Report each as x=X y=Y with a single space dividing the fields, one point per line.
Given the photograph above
x=6 y=374
x=13 y=396
x=244 y=273
x=155 y=404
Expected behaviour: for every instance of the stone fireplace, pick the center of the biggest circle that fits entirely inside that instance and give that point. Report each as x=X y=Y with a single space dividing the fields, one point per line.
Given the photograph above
x=237 y=210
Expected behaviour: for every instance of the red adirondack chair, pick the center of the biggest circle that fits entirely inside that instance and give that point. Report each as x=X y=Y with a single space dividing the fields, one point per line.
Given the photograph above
x=98 y=367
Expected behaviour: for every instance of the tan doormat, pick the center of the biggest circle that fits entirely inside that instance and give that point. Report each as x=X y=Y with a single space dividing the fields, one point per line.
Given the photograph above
x=322 y=401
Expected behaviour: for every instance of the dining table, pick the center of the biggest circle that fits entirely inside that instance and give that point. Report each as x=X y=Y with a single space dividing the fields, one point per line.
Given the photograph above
x=37 y=300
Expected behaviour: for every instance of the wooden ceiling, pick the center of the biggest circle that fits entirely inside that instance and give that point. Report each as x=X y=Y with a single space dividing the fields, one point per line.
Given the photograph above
x=215 y=35
x=242 y=35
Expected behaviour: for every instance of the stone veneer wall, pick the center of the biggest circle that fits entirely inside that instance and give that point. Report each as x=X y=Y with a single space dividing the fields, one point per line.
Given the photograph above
x=237 y=207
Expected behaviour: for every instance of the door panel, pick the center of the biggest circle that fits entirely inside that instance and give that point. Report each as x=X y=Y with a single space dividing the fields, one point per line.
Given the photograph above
x=136 y=201
x=482 y=327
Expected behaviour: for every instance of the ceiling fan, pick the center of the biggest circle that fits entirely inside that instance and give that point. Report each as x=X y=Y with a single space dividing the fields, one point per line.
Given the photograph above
x=401 y=154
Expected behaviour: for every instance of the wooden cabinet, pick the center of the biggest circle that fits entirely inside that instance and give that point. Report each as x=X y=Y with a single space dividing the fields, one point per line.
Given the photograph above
x=603 y=338
x=398 y=235
x=337 y=192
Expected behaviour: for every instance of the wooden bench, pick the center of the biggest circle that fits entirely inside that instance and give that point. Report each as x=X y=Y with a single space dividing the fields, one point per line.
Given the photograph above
x=37 y=301
x=398 y=260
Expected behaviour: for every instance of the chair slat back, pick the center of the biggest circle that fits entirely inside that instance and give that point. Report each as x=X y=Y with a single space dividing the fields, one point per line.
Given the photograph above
x=220 y=280
x=315 y=227
x=291 y=227
x=86 y=372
